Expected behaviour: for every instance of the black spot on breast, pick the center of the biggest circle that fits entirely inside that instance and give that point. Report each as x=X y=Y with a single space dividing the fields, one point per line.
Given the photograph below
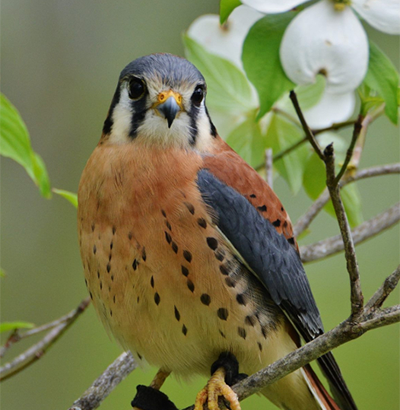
x=152 y=282
x=163 y=213
x=223 y=313
x=259 y=346
x=250 y=320
x=114 y=229
x=112 y=277
x=174 y=247
x=205 y=299
x=184 y=330
x=101 y=285
x=282 y=208
x=190 y=207
x=91 y=296
x=222 y=334
x=144 y=256
x=262 y=208
x=109 y=257
x=190 y=285
x=187 y=255
x=220 y=255
x=291 y=240
x=168 y=237
x=157 y=298
x=277 y=223
x=212 y=243
x=252 y=196
x=111 y=245
x=185 y=271
x=230 y=282
x=114 y=299
x=168 y=225
x=138 y=299
x=135 y=264
x=92 y=227
x=85 y=282
x=202 y=222
x=177 y=314
x=241 y=299
x=242 y=332
x=264 y=331
x=130 y=235
x=108 y=267
x=224 y=270
x=94 y=249
x=139 y=356
x=98 y=274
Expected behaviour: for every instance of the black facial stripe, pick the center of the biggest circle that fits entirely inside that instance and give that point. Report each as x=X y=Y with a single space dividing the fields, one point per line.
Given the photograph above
x=213 y=130
x=139 y=112
x=193 y=114
x=108 y=123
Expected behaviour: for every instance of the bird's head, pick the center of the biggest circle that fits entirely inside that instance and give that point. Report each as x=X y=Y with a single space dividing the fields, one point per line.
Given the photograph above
x=160 y=99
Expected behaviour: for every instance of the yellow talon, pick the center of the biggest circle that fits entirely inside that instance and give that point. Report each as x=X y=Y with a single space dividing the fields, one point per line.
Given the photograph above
x=216 y=387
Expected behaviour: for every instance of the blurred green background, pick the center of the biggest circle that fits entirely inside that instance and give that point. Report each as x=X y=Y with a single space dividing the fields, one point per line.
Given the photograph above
x=60 y=64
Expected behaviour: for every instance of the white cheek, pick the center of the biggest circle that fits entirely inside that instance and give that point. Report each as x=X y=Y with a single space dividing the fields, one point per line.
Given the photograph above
x=121 y=117
x=154 y=129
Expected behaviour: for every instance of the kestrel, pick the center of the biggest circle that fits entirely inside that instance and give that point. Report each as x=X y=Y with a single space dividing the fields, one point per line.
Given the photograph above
x=189 y=256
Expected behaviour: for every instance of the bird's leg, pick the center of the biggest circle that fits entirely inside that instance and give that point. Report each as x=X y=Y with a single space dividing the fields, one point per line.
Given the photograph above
x=225 y=371
x=150 y=397
x=159 y=379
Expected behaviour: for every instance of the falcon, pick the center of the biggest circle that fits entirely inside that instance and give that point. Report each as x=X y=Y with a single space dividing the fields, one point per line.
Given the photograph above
x=188 y=254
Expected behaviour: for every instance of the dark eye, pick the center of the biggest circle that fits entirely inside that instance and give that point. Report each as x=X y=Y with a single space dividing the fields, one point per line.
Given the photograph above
x=136 y=88
x=198 y=95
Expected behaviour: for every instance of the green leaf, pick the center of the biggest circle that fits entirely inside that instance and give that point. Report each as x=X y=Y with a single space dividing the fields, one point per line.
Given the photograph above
x=228 y=88
x=282 y=134
x=225 y=9
x=261 y=59
x=248 y=141
x=69 y=196
x=383 y=77
x=15 y=144
x=7 y=326
x=314 y=180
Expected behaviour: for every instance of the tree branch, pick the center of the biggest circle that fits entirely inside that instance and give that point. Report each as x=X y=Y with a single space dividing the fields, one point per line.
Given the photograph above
x=309 y=134
x=366 y=230
x=304 y=221
x=36 y=351
x=106 y=383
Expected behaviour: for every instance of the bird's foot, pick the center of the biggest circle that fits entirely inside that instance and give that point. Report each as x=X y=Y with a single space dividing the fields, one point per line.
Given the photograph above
x=149 y=398
x=225 y=372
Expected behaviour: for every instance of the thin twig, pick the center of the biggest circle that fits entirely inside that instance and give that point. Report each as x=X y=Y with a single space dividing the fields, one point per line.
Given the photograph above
x=304 y=221
x=309 y=134
x=357 y=299
x=269 y=176
x=36 y=351
x=17 y=336
x=106 y=383
x=356 y=132
x=384 y=291
x=366 y=230
x=334 y=127
x=288 y=150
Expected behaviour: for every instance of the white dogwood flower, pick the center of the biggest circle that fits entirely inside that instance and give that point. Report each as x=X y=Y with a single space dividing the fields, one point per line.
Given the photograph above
x=327 y=38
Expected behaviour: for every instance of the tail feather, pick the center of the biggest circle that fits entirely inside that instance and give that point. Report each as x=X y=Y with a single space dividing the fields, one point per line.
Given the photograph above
x=318 y=390
x=337 y=384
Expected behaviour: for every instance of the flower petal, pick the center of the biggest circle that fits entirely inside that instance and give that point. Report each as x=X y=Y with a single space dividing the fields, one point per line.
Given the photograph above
x=273 y=6
x=384 y=15
x=323 y=40
x=226 y=40
x=331 y=109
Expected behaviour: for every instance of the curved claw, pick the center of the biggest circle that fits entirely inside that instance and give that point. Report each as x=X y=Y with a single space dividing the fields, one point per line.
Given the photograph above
x=215 y=388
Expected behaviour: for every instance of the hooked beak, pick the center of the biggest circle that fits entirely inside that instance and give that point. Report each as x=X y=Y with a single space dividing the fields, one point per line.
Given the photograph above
x=169 y=104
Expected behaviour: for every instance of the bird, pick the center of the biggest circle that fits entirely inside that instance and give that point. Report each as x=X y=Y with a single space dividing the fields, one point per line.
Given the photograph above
x=189 y=256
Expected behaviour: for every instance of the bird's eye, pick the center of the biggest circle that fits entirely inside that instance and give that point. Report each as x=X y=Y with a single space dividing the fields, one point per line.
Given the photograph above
x=198 y=95
x=137 y=88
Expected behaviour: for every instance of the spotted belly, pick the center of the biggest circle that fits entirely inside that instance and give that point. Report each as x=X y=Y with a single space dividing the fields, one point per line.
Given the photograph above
x=177 y=300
